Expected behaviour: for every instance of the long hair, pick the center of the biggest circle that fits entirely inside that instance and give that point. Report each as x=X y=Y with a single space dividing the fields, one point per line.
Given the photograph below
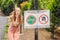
x=14 y=14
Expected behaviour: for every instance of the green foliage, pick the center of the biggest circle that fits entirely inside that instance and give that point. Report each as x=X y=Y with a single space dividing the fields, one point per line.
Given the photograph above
x=56 y=12
x=25 y=6
x=28 y=5
x=32 y=2
x=6 y=6
x=6 y=28
x=46 y=4
x=54 y=7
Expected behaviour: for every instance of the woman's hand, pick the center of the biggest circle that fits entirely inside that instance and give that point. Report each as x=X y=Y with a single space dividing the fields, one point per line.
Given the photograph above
x=15 y=24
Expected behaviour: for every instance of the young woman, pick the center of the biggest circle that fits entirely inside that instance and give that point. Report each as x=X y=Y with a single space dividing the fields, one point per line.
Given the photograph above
x=15 y=25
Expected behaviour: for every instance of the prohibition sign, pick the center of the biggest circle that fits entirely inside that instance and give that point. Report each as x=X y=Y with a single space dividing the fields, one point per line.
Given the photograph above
x=31 y=19
x=43 y=19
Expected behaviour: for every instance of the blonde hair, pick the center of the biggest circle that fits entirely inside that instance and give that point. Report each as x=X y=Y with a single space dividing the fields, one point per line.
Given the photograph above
x=13 y=12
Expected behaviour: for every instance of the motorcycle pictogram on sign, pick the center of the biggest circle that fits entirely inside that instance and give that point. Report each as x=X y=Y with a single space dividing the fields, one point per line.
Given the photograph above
x=43 y=19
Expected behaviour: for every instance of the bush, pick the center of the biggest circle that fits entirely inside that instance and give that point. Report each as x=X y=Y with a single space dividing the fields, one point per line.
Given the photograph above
x=6 y=6
x=6 y=28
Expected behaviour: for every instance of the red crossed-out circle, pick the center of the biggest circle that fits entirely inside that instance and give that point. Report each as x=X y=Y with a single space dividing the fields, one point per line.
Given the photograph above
x=45 y=20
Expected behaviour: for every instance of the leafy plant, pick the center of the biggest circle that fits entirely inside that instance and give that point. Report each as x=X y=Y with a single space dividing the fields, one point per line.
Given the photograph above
x=6 y=28
x=25 y=6
x=54 y=7
x=6 y=6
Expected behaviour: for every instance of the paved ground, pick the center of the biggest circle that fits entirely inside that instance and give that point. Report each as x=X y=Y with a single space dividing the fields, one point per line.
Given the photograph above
x=44 y=35
x=3 y=22
x=29 y=35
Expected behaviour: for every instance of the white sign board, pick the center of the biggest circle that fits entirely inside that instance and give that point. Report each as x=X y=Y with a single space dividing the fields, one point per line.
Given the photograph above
x=37 y=19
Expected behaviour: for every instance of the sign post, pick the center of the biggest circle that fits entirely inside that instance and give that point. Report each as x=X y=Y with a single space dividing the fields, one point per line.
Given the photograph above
x=35 y=19
x=36 y=30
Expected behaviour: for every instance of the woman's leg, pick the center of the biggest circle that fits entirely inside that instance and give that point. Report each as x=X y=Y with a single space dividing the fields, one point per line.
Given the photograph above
x=10 y=34
x=17 y=34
